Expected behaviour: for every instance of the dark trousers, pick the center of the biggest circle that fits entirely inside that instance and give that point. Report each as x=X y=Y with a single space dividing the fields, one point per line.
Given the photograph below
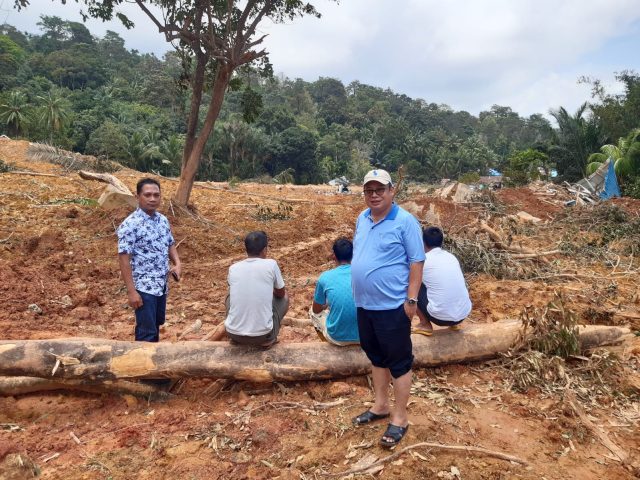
x=423 y=301
x=385 y=337
x=149 y=317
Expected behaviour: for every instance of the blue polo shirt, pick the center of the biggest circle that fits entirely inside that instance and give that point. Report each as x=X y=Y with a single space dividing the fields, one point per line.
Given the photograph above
x=382 y=255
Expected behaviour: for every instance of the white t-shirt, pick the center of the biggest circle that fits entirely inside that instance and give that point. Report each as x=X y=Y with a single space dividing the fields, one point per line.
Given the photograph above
x=446 y=290
x=251 y=284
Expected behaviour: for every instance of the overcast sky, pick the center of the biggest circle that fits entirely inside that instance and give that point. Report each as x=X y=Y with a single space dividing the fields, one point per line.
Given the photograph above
x=469 y=54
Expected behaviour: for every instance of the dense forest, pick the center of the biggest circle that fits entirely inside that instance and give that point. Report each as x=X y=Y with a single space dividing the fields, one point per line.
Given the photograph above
x=92 y=95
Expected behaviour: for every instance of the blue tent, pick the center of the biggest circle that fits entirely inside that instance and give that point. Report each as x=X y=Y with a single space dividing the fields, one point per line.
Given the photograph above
x=602 y=182
x=611 y=187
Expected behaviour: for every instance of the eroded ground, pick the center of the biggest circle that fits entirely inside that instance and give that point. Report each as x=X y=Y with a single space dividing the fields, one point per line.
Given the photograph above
x=58 y=251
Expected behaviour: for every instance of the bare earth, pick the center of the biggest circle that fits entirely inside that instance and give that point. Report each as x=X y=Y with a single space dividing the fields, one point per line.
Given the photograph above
x=52 y=245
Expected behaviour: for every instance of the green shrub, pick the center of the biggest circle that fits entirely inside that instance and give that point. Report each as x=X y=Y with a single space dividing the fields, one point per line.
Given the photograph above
x=632 y=188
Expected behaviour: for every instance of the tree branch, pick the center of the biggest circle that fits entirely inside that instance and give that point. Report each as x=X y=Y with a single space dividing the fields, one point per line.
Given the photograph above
x=459 y=448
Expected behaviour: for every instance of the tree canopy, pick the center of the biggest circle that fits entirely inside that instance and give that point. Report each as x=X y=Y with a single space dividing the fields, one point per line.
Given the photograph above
x=95 y=96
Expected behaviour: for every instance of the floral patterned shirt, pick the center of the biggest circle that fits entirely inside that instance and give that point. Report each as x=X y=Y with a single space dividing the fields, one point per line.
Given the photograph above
x=147 y=239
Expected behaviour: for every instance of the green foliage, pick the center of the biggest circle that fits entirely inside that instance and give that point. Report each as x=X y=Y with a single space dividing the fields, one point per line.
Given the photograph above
x=625 y=155
x=578 y=136
x=632 y=188
x=108 y=140
x=11 y=58
x=469 y=178
x=15 y=113
x=85 y=202
x=525 y=166
x=282 y=212
x=96 y=96
x=251 y=105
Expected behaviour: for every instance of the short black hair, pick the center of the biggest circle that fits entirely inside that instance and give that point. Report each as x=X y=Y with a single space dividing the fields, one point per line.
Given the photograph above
x=255 y=242
x=343 y=249
x=146 y=181
x=432 y=237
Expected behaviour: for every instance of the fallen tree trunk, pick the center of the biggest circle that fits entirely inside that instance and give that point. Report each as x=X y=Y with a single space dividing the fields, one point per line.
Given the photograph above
x=100 y=359
x=22 y=385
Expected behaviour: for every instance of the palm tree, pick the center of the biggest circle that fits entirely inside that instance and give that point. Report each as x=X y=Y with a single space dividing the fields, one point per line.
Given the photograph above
x=142 y=152
x=624 y=155
x=171 y=153
x=577 y=135
x=54 y=112
x=15 y=113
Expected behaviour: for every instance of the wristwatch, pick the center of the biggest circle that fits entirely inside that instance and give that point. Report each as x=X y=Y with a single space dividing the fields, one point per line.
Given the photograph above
x=412 y=301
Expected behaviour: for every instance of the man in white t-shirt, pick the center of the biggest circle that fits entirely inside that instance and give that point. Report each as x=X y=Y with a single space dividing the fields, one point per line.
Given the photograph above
x=443 y=298
x=257 y=300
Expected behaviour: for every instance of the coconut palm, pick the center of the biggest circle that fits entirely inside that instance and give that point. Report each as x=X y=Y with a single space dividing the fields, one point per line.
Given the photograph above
x=54 y=112
x=578 y=135
x=624 y=155
x=14 y=113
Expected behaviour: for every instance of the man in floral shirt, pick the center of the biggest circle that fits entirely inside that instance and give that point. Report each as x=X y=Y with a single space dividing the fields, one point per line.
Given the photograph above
x=145 y=245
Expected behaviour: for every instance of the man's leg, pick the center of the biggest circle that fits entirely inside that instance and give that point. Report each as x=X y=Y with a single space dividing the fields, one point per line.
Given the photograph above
x=279 y=308
x=146 y=328
x=424 y=326
x=401 y=393
x=161 y=313
x=319 y=322
x=381 y=378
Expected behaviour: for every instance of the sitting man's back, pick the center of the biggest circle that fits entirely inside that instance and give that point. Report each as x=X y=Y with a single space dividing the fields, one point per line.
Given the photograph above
x=340 y=325
x=257 y=301
x=443 y=298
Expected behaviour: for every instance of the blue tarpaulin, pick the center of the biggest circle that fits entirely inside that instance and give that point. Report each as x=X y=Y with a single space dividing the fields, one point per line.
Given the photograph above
x=611 y=187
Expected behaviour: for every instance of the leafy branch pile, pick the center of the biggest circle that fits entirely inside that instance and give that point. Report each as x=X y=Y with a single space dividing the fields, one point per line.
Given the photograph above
x=266 y=213
x=549 y=357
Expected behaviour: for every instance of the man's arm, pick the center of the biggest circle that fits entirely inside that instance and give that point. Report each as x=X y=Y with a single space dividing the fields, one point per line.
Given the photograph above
x=177 y=265
x=279 y=292
x=133 y=297
x=415 y=279
x=317 y=308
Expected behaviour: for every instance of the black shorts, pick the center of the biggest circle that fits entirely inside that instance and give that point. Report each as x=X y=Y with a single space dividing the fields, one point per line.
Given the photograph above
x=422 y=306
x=385 y=336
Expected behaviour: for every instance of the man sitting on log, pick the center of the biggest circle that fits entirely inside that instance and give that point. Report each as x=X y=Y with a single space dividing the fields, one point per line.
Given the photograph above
x=443 y=298
x=257 y=300
x=145 y=246
x=338 y=325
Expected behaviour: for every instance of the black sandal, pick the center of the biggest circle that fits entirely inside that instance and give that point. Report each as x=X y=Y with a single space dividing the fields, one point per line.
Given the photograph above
x=395 y=433
x=367 y=417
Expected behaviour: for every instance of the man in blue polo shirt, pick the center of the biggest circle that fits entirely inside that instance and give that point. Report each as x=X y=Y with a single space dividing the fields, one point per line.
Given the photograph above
x=386 y=271
x=333 y=290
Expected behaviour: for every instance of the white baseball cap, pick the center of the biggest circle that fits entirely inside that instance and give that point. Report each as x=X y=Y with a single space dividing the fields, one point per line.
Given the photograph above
x=381 y=176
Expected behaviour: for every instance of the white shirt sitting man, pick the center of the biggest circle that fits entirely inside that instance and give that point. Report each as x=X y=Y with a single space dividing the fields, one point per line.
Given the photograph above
x=443 y=298
x=257 y=301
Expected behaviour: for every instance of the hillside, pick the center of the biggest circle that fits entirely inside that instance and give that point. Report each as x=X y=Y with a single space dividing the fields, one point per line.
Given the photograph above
x=58 y=252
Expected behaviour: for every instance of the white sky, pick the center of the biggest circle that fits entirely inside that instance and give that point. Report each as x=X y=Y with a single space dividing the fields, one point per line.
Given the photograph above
x=469 y=54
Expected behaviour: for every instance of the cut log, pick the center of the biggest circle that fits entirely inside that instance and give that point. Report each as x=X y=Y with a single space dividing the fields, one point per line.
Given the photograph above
x=22 y=385
x=115 y=194
x=113 y=198
x=105 y=178
x=100 y=359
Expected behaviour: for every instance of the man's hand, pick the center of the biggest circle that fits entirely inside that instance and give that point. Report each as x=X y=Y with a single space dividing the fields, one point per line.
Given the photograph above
x=176 y=271
x=410 y=310
x=135 y=300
